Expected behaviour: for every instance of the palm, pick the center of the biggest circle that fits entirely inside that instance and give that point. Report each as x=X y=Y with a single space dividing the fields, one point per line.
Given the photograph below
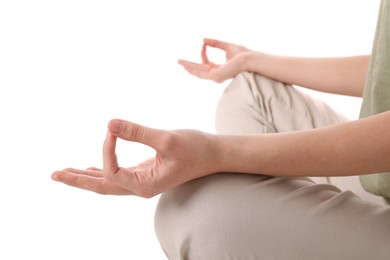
x=179 y=158
x=93 y=178
x=213 y=71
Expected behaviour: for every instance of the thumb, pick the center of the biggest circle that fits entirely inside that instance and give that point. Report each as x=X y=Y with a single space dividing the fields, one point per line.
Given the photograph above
x=136 y=133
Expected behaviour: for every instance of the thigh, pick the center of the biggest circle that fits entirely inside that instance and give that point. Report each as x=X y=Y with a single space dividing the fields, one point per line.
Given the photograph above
x=242 y=216
x=254 y=104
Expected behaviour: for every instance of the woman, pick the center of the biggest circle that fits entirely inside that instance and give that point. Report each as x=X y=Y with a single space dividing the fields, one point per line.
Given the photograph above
x=245 y=193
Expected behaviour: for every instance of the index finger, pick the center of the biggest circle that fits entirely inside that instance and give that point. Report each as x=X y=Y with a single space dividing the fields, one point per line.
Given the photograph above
x=216 y=43
x=205 y=60
x=110 y=161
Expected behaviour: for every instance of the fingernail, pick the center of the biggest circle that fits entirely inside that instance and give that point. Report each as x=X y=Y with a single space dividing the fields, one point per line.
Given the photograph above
x=116 y=126
x=55 y=176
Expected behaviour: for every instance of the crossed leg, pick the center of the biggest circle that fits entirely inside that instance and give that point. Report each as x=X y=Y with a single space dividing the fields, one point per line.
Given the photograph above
x=244 y=216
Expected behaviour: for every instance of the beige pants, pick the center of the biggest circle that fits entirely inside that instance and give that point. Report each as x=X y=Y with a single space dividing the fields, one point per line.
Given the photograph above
x=243 y=216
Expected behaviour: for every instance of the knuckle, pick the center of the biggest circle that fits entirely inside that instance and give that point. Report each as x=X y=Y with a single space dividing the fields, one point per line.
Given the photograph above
x=169 y=140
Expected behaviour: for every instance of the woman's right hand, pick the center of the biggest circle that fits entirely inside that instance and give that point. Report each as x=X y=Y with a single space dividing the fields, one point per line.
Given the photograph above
x=235 y=62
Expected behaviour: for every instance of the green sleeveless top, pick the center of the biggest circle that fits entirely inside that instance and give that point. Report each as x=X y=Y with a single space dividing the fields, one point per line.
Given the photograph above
x=376 y=96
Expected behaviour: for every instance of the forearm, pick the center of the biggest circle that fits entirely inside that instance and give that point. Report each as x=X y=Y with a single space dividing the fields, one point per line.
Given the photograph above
x=345 y=76
x=353 y=148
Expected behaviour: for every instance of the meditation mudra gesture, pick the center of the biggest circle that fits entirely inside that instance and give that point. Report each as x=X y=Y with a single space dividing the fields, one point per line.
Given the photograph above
x=285 y=177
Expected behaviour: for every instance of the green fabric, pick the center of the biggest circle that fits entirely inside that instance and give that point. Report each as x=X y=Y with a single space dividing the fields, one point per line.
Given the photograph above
x=376 y=97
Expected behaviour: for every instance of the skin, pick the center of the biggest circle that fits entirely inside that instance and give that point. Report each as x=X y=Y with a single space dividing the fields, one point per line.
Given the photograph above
x=344 y=75
x=184 y=155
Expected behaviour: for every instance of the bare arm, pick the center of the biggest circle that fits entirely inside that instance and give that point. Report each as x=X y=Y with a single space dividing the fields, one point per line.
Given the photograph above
x=345 y=76
x=353 y=148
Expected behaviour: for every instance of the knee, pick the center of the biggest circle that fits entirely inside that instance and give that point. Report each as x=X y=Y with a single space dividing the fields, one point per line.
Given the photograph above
x=235 y=104
x=239 y=85
x=242 y=108
x=206 y=218
x=184 y=221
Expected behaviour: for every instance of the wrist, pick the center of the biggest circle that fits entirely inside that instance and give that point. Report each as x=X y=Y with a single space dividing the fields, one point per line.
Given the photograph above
x=226 y=151
x=219 y=149
x=251 y=61
x=243 y=154
x=243 y=61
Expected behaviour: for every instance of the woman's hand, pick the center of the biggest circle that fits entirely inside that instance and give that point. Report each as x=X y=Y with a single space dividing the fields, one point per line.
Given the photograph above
x=235 y=62
x=181 y=155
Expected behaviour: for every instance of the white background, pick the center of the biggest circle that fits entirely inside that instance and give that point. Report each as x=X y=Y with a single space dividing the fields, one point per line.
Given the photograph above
x=68 y=67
